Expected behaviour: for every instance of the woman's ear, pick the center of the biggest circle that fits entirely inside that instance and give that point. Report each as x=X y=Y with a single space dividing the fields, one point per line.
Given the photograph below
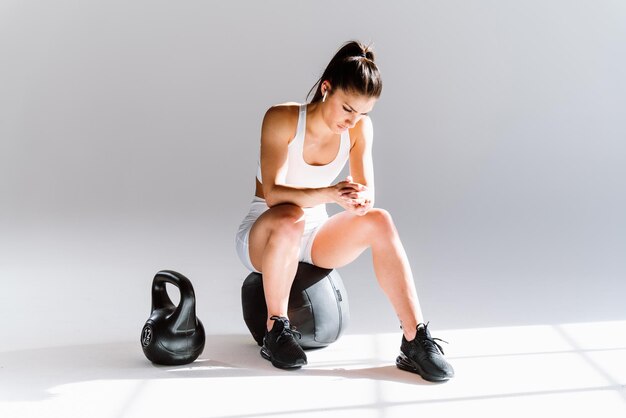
x=325 y=87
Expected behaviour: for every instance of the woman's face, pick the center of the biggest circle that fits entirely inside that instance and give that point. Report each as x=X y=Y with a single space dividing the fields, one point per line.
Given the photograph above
x=342 y=109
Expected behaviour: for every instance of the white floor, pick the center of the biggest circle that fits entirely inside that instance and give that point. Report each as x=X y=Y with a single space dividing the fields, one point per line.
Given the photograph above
x=569 y=370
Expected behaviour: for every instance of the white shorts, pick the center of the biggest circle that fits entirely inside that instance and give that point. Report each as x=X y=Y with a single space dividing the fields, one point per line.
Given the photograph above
x=314 y=218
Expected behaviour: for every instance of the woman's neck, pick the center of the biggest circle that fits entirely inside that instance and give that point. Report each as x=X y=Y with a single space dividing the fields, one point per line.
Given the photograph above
x=315 y=124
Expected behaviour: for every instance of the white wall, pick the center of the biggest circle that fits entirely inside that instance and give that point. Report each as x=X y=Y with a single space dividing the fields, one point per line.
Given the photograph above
x=129 y=135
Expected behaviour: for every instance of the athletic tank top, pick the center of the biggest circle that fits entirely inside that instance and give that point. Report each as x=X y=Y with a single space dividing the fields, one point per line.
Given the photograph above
x=298 y=172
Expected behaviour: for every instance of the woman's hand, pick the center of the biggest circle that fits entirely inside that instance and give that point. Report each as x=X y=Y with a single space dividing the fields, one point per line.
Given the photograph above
x=351 y=196
x=361 y=207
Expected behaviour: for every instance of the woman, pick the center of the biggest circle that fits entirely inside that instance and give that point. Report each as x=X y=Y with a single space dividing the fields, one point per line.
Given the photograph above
x=303 y=149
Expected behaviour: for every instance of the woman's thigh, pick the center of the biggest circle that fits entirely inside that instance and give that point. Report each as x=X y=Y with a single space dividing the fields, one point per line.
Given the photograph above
x=344 y=236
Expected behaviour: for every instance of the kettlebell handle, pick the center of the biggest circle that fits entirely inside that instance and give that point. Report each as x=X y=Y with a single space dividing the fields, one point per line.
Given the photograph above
x=184 y=317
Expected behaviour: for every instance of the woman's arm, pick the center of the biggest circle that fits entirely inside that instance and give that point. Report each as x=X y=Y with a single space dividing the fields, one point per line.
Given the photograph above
x=361 y=162
x=275 y=135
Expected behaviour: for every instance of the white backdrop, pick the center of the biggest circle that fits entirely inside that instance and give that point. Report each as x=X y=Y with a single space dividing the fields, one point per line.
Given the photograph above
x=129 y=133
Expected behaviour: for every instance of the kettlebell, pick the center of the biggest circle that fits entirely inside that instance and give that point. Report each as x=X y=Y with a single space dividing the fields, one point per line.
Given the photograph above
x=173 y=334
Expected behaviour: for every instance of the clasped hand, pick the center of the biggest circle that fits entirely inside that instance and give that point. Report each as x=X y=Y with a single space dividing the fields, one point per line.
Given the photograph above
x=353 y=197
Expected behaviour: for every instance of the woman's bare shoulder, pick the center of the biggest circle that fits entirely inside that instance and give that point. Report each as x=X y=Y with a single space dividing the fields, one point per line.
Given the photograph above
x=284 y=110
x=282 y=118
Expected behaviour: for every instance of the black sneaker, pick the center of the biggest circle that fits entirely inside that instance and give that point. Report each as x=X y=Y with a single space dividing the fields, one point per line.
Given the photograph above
x=424 y=357
x=280 y=346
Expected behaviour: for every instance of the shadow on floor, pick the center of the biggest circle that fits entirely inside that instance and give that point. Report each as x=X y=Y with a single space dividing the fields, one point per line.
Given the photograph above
x=30 y=374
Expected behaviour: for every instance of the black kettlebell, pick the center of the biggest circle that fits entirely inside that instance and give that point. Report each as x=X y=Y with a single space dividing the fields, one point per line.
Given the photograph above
x=173 y=334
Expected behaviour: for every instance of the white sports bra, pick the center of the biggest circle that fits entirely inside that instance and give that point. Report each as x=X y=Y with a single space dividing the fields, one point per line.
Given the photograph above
x=298 y=172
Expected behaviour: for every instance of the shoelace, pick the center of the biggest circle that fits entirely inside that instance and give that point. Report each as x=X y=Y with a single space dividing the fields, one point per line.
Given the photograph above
x=288 y=330
x=429 y=341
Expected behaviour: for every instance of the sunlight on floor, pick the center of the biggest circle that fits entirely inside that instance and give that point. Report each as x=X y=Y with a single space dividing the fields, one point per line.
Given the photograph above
x=571 y=370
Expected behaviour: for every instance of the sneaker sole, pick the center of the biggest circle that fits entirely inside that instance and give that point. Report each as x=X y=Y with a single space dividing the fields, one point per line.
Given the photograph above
x=276 y=363
x=405 y=363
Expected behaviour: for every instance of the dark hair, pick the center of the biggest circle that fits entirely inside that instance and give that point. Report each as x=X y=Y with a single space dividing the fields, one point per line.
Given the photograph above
x=353 y=70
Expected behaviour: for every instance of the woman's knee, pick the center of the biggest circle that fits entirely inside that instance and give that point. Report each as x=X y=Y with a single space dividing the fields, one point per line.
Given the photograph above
x=279 y=224
x=287 y=220
x=380 y=221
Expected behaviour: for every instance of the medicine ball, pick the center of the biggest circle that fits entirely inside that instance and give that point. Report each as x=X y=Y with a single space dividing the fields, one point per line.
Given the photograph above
x=318 y=305
x=173 y=334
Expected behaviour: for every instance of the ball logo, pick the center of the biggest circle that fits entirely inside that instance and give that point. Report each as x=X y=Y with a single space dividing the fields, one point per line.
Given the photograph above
x=146 y=336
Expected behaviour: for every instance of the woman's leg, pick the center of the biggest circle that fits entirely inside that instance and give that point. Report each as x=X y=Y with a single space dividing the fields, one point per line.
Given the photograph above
x=345 y=236
x=274 y=243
